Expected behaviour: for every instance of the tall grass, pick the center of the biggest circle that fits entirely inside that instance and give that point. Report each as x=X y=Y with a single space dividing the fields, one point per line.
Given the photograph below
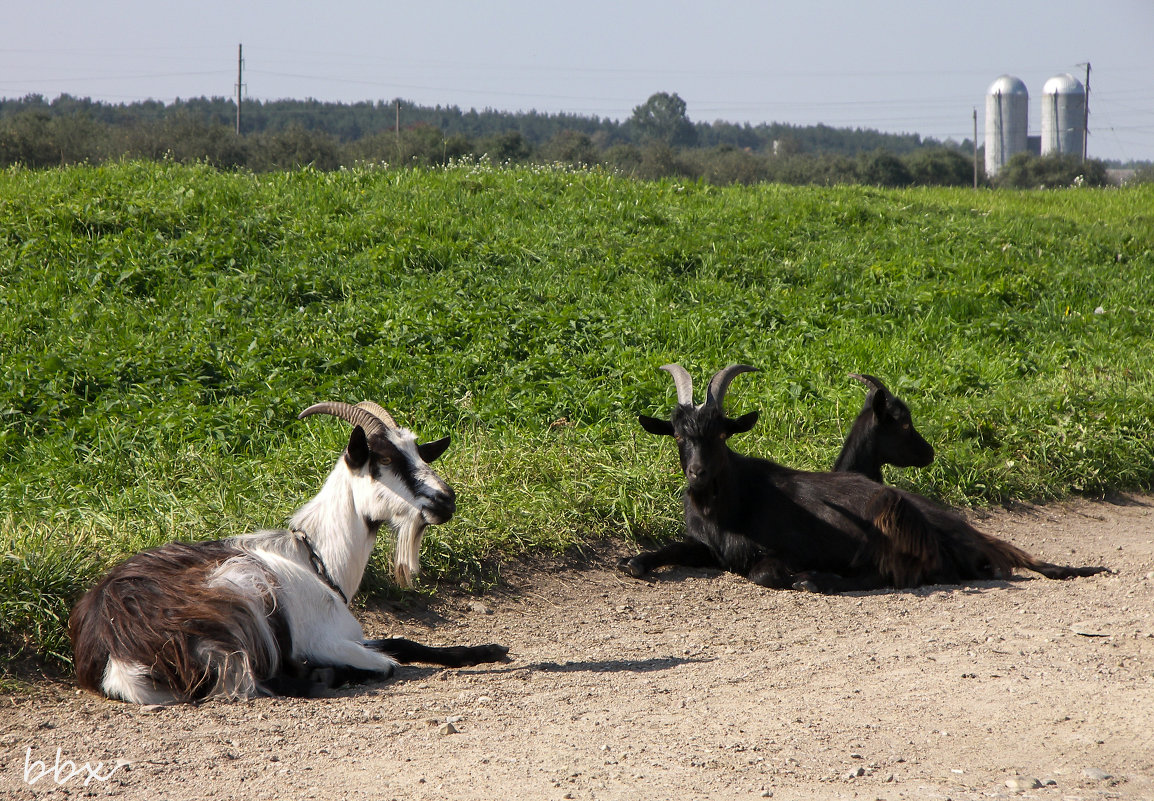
x=162 y=325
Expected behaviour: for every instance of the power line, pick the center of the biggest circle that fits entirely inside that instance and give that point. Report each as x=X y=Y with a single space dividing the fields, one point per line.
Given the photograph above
x=89 y=77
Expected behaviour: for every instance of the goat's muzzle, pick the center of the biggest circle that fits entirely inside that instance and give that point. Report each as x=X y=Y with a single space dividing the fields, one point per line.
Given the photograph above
x=699 y=476
x=438 y=508
x=914 y=452
x=925 y=455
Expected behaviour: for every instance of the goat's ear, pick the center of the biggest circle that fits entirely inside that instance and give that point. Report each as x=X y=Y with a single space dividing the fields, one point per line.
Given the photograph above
x=741 y=424
x=430 y=451
x=358 y=451
x=653 y=425
x=879 y=402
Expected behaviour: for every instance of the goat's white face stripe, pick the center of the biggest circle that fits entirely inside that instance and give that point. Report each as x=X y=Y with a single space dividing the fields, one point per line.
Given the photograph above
x=400 y=491
x=421 y=475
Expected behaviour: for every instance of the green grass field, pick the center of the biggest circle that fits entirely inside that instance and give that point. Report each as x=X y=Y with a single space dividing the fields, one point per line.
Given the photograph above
x=162 y=325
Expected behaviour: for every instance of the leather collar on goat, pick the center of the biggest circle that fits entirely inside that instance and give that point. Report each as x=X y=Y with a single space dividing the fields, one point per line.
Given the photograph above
x=318 y=565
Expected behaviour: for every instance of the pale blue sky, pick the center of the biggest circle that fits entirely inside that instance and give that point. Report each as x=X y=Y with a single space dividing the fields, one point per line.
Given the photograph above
x=914 y=66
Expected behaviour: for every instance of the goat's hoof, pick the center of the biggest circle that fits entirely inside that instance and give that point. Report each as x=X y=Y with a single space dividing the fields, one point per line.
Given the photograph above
x=806 y=585
x=490 y=653
x=628 y=565
x=323 y=678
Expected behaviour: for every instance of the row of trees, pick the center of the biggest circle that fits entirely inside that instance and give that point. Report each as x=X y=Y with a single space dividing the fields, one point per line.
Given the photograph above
x=657 y=141
x=662 y=117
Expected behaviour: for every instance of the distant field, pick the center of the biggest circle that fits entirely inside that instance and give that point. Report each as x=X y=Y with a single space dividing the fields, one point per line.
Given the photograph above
x=161 y=326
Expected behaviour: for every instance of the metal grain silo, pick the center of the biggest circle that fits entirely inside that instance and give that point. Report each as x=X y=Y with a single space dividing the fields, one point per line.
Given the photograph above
x=1007 y=114
x=1063 y=115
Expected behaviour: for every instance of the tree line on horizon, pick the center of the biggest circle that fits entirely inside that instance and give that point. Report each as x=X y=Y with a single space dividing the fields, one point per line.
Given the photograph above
x=657 y=141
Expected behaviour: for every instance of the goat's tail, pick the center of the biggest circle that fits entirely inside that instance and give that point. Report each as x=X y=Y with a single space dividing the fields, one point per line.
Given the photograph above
x=914 y=550
x=1053 y=571
x=1003 y=557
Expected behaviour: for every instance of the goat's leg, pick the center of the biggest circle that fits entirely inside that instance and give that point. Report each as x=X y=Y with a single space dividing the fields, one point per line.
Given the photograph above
x=831 y=583
x=686 y=553
x=308 y=684
x=305 y=679
x=342 y=661
x=770 y=571
x=1062 y=572
x=292 y=686
x=406 y=651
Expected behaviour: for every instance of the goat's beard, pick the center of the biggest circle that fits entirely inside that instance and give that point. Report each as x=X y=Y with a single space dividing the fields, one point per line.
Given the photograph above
x=407 y=558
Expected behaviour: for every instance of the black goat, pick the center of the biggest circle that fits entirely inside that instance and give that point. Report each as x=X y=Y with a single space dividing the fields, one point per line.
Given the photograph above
x=883 y=433
x=823 y=532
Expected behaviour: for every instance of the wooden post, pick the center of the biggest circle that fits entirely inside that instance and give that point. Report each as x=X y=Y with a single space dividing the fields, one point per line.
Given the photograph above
x=1086 y=117
x=239 y=82
x=975 y=148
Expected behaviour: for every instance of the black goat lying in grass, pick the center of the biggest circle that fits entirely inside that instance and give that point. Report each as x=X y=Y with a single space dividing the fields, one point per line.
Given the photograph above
x=822 y=532
x=882 y=433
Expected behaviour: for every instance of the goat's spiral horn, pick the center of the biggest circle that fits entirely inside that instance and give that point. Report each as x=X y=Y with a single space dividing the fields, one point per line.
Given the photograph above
x=869 y=381
x=715 y=394
x=355 y=415
x=683 y=381
x=379 y=411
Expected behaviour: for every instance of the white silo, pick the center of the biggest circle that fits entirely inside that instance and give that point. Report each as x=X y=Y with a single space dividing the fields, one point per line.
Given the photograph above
x=1063 y=115
x=1007 y=114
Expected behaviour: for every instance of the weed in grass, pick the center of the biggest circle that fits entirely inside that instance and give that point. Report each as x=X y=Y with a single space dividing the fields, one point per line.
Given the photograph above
x=42 y=572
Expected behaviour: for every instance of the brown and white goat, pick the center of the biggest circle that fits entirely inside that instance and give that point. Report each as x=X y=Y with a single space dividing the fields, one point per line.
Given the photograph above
x=823 y=532
x=268 y=613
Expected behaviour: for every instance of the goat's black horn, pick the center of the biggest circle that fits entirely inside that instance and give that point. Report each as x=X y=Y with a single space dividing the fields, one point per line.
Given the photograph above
x=720 y=382
x=379 y=411
x=350 y=414
x=683 y=381
x=869 y=381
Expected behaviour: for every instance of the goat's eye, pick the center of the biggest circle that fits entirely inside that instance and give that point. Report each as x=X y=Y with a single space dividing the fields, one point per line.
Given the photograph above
x=905 y=426
x=387 y=460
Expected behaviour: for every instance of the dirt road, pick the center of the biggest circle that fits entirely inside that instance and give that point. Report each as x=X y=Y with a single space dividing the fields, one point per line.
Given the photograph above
x=695 y=685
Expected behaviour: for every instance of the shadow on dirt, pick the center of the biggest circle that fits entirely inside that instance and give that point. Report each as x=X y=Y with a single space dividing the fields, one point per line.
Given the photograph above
x=615 y=665
x=417 y=673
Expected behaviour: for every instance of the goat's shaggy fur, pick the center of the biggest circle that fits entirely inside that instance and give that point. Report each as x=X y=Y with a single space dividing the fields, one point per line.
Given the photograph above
x=267 y=613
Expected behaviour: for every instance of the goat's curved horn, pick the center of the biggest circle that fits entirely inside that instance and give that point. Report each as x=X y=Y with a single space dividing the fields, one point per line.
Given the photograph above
x=379 y=411
x=869 y=381
x=715 y=394
x=683 y=381
x=350 y=414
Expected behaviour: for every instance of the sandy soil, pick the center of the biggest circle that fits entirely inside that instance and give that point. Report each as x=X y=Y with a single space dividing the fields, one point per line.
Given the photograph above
x=694 y=685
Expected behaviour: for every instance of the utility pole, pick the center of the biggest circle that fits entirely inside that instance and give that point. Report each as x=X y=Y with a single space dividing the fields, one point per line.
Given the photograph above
x=1086 y=117
x=239 y=82
x=975 y=147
